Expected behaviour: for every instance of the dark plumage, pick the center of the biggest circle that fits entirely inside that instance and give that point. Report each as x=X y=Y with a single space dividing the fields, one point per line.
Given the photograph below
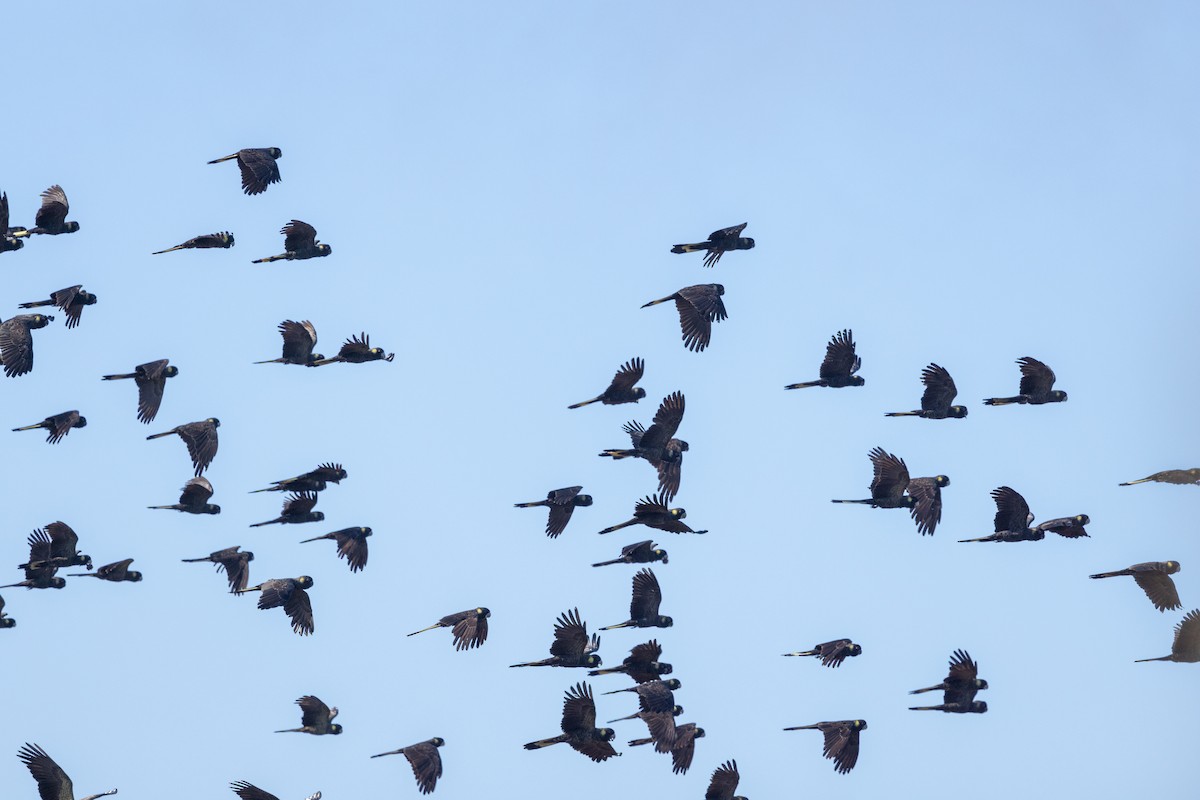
x=889 y=482
x=151 y=380
x=959 y=688
x=235 y=564
x=299 y=243
x=315 y=718
x=1037 y=382
x=224 y=240
x=927 y=510
x=571 y=647
x=638 y=553
x=200 y=438
x=1070 y=527
x=351 y=545
x=356 y=350
x=562 y=503
x=297 y=509
x=5 y=621
x=699 y=307
x=53 y=783
x=312 y=481
x=425 y=760
x=841 y=741
x=299 y=339
x=622 y=389
x=289 y=593
x=71 y=300
x=653 y=697
x=1186 y=647
x=724 y=783
x=1013 y=519
x=579 y=727
x=258 y=166
x=248 y=791
x=832 y=654
x=1177 y=476
x=116 y=572
x=654 y=513
x=1153 y=578
x=194 y=498
x=643 y=608
x=470 y=628
x=58 y=425
x=56 y=545
x=940 y=392
x=16 y=342
x=658 y=445
x=641 y=664
x=8 y=240
x=719 y=243
x=667 y=737
x=840 y=364
x=51 y=218
x=39 y=577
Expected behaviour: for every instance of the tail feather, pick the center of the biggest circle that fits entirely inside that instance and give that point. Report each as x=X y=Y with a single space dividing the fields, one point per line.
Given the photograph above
x=866 y=502
x=587 y=402
x=169 y=508
x=268 y=489
x=620 y=719
x=614 y=627
x=618 y=527
x=223 y=158
x=802 y=728
x=619 y=454
x=1116 y=574
x=159 y=435
x=1131 y=483
x=637 y=742
x=315 y=538
x=594 y=672
x=117 y=377
x=544 y=743
x=656 y=302
x=614 y=691
x=37 y=304
x=529 y=505
x=805 y=653
x=926 y=689
x=29 y=427
x=1136 y=661
x=903 y=414
x=431 y=627
x=543 y=663
x=805 y=385
x=927 y=708
x=606 y=563
x=323 y=362
x=1001 y=401
x=690 y=248
x=268 y=259
x=291 y=730
x=271 y=361
x=980 y=539
x=82 y=575
x=260 y=524
x=176 y=247
x=194 y=560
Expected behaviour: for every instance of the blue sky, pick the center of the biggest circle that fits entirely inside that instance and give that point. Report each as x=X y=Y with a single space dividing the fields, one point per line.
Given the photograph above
x=501 y=185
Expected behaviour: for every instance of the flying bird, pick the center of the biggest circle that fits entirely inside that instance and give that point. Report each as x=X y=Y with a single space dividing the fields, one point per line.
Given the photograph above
x=235 y=564
x=315 y=718
x=39 y=577
x=724 y=783
x=470 y=628
x=562 y=503
x=258 y=166
x=194 y=498
x=53 y=783
x=927 y=510
x=653 y=697
x=425 y=760
x=59 y=425
x=832 y=654
x=16 y=342
x=1037 y=382
x=579 y=727
x=248 y=791
x=51 y=218
x=959 y=688
x=658 y=445
x=71 y=300
x=314 y=480
x=719 y=243
x=699 y=307
x=200 y=438
x=643 y=608
x=622 y=389
x=940 y=392
x=151 y=381
x=8 y=240
x=682 y=739
x=889 y=483
x=5 y=621
x=1178 y=476
x=1013 y=519
x=352 y=545
x=289 y=593
x=1153 y=578
x=1186 y=647
x=641 y=664
x=224 y=240
x=841 y=741
x=840 y=366
x=299 y=243
x=571 y=646
x=356 y=350
x=116 y=572
x=56 y=545
x=1070 y=527
x=297 y=509
x=645 y=552
x=299 y=339
x=654 y=513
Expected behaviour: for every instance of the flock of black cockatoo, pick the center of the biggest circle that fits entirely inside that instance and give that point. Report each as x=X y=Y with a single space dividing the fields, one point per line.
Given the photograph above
x=56 y=546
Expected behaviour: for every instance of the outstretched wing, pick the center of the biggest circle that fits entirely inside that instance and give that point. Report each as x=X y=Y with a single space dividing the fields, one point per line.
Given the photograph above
x=891 y=475
x=629 y=374
x=16 y=347
x=426 y=763
x=647 y=596
x=570 y=637
x=53 y=783
x=259 y=169
x=314 y=711
x=53 y=212
x=1012 y=512
x=471 y=631
x=298 y=236
x=1036 y=377
x=1159 y=587
x=579 y=710
x=201 y=441
x=940 y=390
x=840 y=359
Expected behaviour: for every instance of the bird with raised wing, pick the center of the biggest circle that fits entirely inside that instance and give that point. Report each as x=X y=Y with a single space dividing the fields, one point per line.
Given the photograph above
x=1186 y=647
x=646 y=552
x=562 y=503
x=959 y=688
x=571 y=646
x=356 y=350
x=299 y=339
x=643 y=608
x=470 y=627
x=653 y=512
x=116 y=572
x=315 y=718
x=1153 y=578
x=299 y=243
x=194 y=498
x=1037 y=386
x=940 y=392
x=718 y=243
x=297 y=509
x=642 y=664
x=832 y=654
x=70 y=300
x=53 y=783
x=16 y=342
x=579 y=727
x=840 y=367
x=657 y=444
x=51 y=218
x=621 y=389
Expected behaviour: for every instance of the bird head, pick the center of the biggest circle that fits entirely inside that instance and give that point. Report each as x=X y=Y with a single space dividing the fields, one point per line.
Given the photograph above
x=859 y=724
x=335 y=729
x=594 y=660
x=318 y=516
x=718 y=288
x=665 y=621
x=482 y=612
x=1082 y=519
x=1058 y=396
x=80 y=423
x=86 y=298
x=248 y=555
x=942 y=480
x=437 y=741
x=699 y=734
x=663 y=668
x=978 y=707
x=86 y=560
x=661 y=555
x=980 y=684
x=7 y=622
x=747 y=243
x=324 y=249
x=672 y=684
x=227 y=238
x=583 y=500
x=365 y=532
x=315 y=357
x=304 y=582
x=71 y=227
x=858 y=380
x=639 y=393
x=212 y=508
x=275 y=152
x=1172 y=567
x=216 y=423
x=40 y=320
x=606 y=734
x=855 y=649
x=957 y=412
x=58 y=583
x=678 y=513
x=171 y=371
x=133 y=575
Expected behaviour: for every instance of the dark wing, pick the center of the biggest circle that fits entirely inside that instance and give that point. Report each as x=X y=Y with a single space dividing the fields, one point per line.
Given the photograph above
x=696 y=326
x=3 y=213
x=724 y=782
x=300 y=503
x=662 y=730
x=259 y=170
x=726 y=235
x=314 y=712
x=1159 y=587
x=646 y=596
x=196 y=492
x=834 y=653
x=579 y=710
x=596 y=749
x=1187 y=636
x=16 y=347
x=684 y=749
x=470 y=631
x=1070 y=527
x=248 y=791
x=277 y=592
x=840 y=360
x=41 y=548
x=53 y=783
x=629 y=374
x=426 y=763
x=354 y=549
x=654 y=696
x=299 y=608
x=706 y=299
x=666 y=423
x=53 y=212
x=237 y=570
x=115 y=568
x=927 y=512
x=201 y=441
x=891 y=475
x=940 y=390
x=561 y=508
x=298 y=236
x=570 y=637
x=638 y=549
x=963 y=671
x=652 y=506
x=1036 y=377
x=62 y=424
x=1012 y=512
x=356 y=345
x=299 y=339
x=841 y=744
x=636 y=432
x=150 y=381
x=64 y=541
x=65 y=300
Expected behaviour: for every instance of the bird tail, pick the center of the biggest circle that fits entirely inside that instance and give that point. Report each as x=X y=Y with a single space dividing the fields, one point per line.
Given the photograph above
x=619 y=454
x=928 y=708
x=117 y=377
x=529 y=505
x=805 y=385
x=586 y=402
x=18 y=233
x=1131 y=483
x=606 y=563
x=544 y=742
x=980 y=539
x=1001 y=401
x=159 y=435
x=194 y=560
x=389 y=753
x=926 y=689
x=903 y=414
x=271 y=361
x=291 y=730
x=260 y=524
x=247 y=589
x=805 y=653
x=802 y=728
x=543 y=663
x=172 y=508
x=10 y=585
x=636 y=742
x=315 y=538
x=82 y=575
x=867 y=502
x=666 y=299
x=269 y=488
x=1111 y=574
x=323 y=362
x=594 y=672
x=37 y=304
x=614 y=627
x=1136 y=661
x=618 y=527
x=431 y=627
x=223 y=158
x=269 y=259
x=690 y=248
x=29 y=427
x=619 y=719
x=176 y=247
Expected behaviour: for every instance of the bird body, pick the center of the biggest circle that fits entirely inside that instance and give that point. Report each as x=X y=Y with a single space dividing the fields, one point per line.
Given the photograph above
x=1037 y=381
x=571 y=647
x=53 y=783
x=425 y=760
x=562 y=503
x=289 y=593
x=224 y=240
x=470 y=627
x=654 y=513
x=638 y=553
x=724 y=783
x=314 y=480
x=643 y=608
x=959 y=688
x=70 y=300
x=1153 y=578
x=258 y=167
x=58 y=425
x=299 y=243
x=16 y=342
x=621 y=389
x=718 y=243
x=315 y=718
x=297 y=509
x=833 y=653
x=194 y=498
x=151 y=381
x=116 y=572
x=1176 y=476
x=699 y=307
x=841 y=741
x=840 y=367
x=356 y=350
x=889 y=482
x=641 y=664
x=299 y=339
x=940 y=392
x=200 y=438
x=579 y=727
x=352 y=545
x=234 y=561
x=56 y=545
x=1185 y=649
x=51 y=218
x=658 y=445
x=926 y=510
